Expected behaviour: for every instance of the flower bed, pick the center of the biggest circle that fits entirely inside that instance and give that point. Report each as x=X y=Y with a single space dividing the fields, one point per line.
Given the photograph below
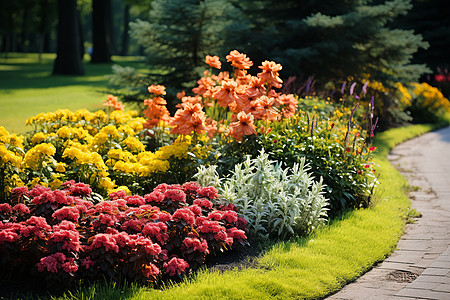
x=92 y=194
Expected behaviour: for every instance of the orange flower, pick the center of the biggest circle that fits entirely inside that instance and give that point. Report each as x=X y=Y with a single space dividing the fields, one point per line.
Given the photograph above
x=191 y=100
x=196 y=124
x=181 y=95
x=157 y=89
x=213 y=61
x=225 y=94
x=239 y=60
x=205 y=87
x=268 y=112
x=288 y=105
x=244 y=126
x=113 y=102
x=211 y=126
x=155 y=112
x=270 y=73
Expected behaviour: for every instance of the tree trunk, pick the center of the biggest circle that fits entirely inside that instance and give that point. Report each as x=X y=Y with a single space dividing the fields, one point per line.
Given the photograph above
x=125 y=34
x=68 y=58
x=101 y=13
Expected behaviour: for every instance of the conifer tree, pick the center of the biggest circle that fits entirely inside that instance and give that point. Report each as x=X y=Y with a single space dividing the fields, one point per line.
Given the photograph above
x=335 y=39
x=181 y=33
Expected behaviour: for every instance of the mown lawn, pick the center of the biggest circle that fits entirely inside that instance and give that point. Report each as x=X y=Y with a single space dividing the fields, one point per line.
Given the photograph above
x=28 y=87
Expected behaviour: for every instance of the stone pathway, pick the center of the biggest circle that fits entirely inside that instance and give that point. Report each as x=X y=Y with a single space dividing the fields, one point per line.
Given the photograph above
x=420 y=268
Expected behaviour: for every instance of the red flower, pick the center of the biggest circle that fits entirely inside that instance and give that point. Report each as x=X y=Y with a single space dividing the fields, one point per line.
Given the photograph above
x=70 y=213
x=104 y=240
x=209 y=192
x=155 y=196
x=205 y=203
x=197 y=210
x=184 y=214
x=5 y=208
x=191 y=186
x=236 y=233
x=156 y=231
x=134 y=200
x=8 y=235
x=120 y=194
x=87 y=262
x=175 y=266
x=150 y=270
x=175 y=195
x=199 y=245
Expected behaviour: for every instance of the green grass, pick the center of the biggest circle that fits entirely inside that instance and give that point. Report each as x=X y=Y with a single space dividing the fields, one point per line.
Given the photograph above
x=27 y=87
x=306 y=268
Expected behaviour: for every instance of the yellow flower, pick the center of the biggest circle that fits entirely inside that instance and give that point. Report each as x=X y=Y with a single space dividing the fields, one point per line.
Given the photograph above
x=121 y=188
x=134 y=144
x=64 y=132
x=38 y=137
x=56 y=183
x=61 y=167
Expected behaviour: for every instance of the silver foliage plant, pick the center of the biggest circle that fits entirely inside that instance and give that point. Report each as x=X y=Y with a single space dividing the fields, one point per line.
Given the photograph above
x=276 y=202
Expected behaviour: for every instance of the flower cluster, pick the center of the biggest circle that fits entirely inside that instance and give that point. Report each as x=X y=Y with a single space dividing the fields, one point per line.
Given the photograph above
x=102 y=150
x=163 y=234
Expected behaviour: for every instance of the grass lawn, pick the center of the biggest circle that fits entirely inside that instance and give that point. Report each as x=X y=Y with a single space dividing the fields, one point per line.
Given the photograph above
x=27 y=87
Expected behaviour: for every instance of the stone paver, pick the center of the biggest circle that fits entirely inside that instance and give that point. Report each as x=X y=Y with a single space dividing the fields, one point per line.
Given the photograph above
x=420 y=268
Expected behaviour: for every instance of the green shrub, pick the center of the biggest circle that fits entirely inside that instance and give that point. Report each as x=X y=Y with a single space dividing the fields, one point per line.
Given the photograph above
x=276 y=201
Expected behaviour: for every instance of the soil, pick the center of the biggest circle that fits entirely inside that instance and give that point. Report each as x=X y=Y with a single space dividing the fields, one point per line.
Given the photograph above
x=402 y=276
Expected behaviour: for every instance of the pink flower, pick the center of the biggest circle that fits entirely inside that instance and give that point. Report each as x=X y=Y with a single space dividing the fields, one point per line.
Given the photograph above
x=48 y=263
x=162 y=216
x=5 y=208
x=150 y=270
x=70 y=213
x=105 y=240
x=156 y=231
x=175 y=266
x=79 y=189
x=120 y=194
x=184 y=214
x=191 y=186
x=197 y=210
x=133 y=225
x=236 y=233
x=209 y=192
x=149 y=247
x=205 y=203
x=155 y=196
x=21 y=209
x=64 y=225
x=70 y=239
x=199 y=245
x=38 y=190
x=87 y=262
x=35 y=226
x=175 y=195
x=8 y=235
x=210 y=227
x=134 y=200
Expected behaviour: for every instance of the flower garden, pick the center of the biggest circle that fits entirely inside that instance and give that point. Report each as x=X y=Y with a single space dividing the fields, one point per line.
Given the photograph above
x=150 y=197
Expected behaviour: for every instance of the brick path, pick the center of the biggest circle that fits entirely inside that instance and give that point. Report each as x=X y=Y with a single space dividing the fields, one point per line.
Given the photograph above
x=420 y=268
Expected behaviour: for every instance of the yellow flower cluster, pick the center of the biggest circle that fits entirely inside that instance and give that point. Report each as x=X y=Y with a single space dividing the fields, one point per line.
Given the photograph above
x=432 y=97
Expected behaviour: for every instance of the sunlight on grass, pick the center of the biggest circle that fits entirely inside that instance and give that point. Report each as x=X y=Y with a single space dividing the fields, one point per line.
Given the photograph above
x=28 y=88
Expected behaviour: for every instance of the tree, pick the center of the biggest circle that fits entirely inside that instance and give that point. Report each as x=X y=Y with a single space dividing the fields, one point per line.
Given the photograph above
x=334 y=40
x=181 y=33
x=101 y=13
x=68 y=58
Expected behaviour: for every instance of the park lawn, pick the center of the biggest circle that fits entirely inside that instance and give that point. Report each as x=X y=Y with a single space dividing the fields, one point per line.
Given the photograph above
x=302 y=268
x=28 y=88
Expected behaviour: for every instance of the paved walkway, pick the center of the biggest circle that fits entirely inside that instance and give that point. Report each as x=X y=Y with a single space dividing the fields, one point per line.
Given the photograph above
x=420 y=268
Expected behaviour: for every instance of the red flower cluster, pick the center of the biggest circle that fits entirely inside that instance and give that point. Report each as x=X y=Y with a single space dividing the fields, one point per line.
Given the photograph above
x=166 y=233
